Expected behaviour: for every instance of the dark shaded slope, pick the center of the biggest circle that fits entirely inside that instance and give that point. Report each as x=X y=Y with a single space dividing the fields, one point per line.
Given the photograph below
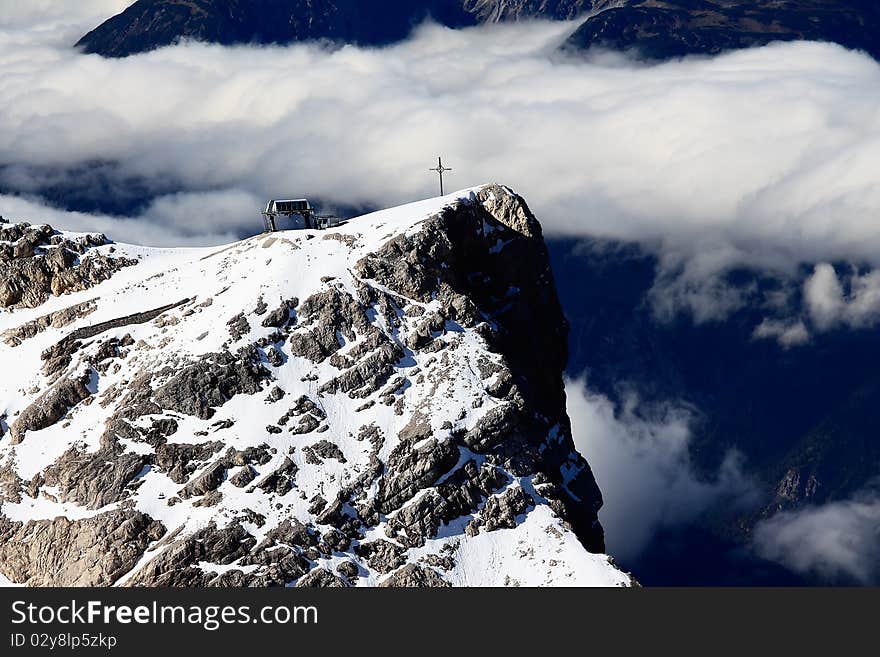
x=805 y=418
x=656 y=30
x=677 y=28
x=809 y=408
x=150 y=24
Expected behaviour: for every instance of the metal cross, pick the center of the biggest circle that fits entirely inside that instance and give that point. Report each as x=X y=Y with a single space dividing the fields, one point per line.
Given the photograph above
x=441 y=170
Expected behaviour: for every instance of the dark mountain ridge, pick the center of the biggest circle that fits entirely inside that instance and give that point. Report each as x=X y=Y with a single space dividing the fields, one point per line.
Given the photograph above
x=664 y=30
x=652 y=29
x=148 y=24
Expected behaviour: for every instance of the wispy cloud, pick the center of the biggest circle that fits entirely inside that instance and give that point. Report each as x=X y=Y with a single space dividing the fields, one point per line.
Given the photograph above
x=830 y=306
x=837 y=541
x=643 y=469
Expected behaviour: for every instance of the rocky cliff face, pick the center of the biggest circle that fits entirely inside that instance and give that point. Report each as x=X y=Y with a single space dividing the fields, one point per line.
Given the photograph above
x=380 y=404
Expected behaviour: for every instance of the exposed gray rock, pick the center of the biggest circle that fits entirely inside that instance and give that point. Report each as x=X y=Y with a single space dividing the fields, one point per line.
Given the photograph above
x=51 y=406
x=15 y=336
x=259 y=455
x=238 y=327
x=324 y=449
x=281 y=480
x=369 y=374
x=281 y=316
x=501 y=510
x=38 y=266
x=321 y=578
x=349 y=570
x=177 y=564
x=461 y=494
x=494 y=428
x=274 y=357
x=208 y=481
x=180 y=461
x=207 y=384
x=290 y=532
x=442 y=562
x=409 y=470
x=414 y=576
x=95 y=479
x=275 y=394
x=382 y=555
x=307 y=424
x=95 y=551
x=243 y=477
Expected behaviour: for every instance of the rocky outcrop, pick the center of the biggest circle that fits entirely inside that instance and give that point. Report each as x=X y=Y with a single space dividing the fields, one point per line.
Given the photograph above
x=59 y=355
x=414 y=576
x=52 y=406
x=202 y=386
x=15 y=336
x=321 y=578
x=96 y=551
x=501 y=511
x=95 y=479
x=38 y=263
x=437 y=264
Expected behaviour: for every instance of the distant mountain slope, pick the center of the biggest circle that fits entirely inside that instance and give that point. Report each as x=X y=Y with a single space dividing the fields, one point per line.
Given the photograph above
x=377 y=404
x=491 y=11
x=674 y=28
x=655 y=29
x=149 y=24
x=803 y=415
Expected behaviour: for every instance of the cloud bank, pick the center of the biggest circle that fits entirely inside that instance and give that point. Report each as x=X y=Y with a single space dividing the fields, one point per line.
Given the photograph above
x=839 y=540
x=644 y=471
x=765 y=155
x=173 y=220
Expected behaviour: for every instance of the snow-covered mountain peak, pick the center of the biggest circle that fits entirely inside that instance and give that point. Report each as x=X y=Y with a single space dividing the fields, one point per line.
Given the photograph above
x=380 y=403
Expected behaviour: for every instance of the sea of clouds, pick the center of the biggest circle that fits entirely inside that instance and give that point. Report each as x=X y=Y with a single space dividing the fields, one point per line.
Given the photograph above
x=765 y=157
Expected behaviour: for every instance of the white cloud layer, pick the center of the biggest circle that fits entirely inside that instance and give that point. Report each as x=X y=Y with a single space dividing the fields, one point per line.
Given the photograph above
x=839 y=539
x=766 y=154
x=165 y=222
x=644 y=471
